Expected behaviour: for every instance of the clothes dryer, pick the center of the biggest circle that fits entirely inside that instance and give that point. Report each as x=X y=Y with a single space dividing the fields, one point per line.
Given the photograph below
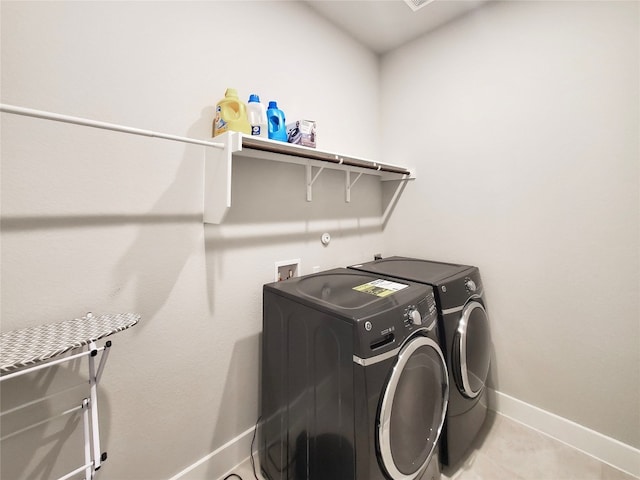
x=354 y=382
x=465 y=339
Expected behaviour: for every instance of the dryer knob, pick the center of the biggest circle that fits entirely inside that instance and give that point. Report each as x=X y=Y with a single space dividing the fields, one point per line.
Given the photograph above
x=416 y=319
x=471 y=285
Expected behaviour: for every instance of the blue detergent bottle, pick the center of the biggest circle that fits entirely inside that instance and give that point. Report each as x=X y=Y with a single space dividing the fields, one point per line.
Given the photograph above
x=276 y=122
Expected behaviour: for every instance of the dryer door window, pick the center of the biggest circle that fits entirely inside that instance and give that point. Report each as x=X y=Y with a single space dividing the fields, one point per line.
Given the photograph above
x=472 y=350
x=413 y=409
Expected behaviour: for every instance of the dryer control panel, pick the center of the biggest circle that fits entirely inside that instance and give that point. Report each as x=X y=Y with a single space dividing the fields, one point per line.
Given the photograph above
x=457 y=290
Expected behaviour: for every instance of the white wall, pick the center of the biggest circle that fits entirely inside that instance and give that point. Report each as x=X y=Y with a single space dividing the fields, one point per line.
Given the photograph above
x=98 y=221
x=523 y=121
x=521 y=118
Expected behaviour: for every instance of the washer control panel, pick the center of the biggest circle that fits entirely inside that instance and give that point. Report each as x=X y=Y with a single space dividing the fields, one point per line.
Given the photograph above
x=470 y=285
x=422 y=314
x=412 y=316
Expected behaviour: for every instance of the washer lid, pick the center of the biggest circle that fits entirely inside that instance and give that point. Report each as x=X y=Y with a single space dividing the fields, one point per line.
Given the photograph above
x=350 y=293
x=424 y=271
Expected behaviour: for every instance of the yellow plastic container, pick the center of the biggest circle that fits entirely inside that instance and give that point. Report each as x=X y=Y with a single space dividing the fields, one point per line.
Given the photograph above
x=231 y=114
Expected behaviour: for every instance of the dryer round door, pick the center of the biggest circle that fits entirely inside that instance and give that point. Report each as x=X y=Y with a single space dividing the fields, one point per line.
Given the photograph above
x=413 y=408
x=472 y=350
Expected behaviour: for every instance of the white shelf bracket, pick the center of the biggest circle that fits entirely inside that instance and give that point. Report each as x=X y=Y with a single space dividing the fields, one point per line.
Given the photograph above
x=217 y=177
x=348 y=184
x=311 y=180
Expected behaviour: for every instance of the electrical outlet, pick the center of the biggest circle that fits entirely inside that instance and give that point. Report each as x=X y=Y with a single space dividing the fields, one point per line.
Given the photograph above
x=286 y=269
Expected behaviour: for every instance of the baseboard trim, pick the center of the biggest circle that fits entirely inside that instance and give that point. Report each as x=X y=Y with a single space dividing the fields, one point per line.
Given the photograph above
x=606 y=449
x=222 y=460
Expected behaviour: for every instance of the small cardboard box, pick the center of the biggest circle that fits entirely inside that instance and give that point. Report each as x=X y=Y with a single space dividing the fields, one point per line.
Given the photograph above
x=302 y=132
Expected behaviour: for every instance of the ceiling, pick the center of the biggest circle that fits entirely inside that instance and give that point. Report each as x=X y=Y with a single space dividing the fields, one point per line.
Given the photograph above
x=383 y=25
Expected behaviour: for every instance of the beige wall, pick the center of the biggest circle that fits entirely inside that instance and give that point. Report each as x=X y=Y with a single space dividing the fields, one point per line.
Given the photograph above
x=522 y=120
x=98 y=221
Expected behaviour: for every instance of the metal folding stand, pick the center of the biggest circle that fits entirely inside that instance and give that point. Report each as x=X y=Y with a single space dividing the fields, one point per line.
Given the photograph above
x=31 y=349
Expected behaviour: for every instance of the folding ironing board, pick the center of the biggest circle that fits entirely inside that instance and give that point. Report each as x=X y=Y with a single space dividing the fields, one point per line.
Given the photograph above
x=30 y=349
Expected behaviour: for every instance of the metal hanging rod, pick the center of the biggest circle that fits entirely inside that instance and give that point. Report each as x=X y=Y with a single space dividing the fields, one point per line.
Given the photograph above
x=48 y=364
x=41 y=422
x=29 y=112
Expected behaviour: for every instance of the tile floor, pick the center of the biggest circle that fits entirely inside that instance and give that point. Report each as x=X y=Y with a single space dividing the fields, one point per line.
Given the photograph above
x=508 y=450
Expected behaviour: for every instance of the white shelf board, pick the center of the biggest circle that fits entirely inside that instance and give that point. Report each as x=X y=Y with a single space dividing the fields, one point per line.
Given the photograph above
x=218 y=168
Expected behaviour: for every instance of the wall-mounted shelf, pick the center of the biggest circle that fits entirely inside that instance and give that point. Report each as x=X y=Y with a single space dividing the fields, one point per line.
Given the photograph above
x=30 y=349
x=219 y=158
x=218 y=168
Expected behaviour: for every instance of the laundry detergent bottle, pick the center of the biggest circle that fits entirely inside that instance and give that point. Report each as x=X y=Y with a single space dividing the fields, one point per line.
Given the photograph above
x=257 y=117
x=276 y=121
x=231 y=114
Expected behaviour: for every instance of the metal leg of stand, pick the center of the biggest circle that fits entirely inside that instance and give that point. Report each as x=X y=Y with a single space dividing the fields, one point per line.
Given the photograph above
x=88 y=474
x=103 y=359
x=93 y=389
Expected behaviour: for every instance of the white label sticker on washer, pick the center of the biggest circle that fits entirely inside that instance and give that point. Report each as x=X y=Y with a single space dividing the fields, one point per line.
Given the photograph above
x=380 y=287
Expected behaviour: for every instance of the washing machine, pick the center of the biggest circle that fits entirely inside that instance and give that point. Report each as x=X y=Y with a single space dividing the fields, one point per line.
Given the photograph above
x=354 y=384
x=465 y=340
